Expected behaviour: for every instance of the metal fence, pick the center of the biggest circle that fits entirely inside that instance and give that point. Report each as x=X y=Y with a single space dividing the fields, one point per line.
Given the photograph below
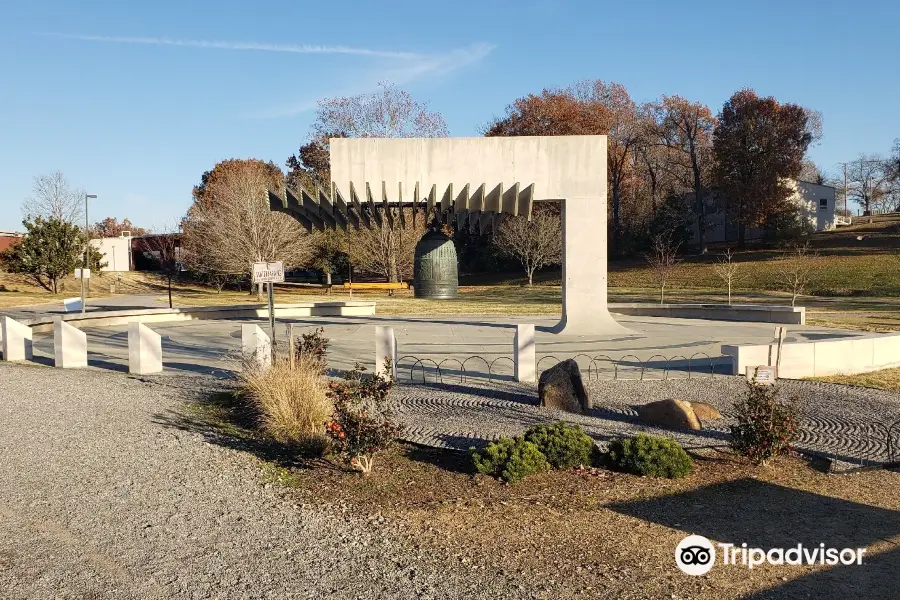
x=602 y=367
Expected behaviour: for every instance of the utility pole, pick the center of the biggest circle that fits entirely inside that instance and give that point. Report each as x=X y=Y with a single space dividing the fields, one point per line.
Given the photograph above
x=87 y=249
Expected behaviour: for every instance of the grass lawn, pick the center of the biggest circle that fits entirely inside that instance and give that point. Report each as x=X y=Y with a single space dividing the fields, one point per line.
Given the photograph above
x=595 y=533
x=885 y=379
x=856 y=285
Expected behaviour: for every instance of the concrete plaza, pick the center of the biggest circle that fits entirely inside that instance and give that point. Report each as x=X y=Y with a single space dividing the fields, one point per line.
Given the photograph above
x=213 y=346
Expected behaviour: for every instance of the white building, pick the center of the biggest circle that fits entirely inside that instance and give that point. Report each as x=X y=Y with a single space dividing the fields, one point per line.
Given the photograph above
x=815 y=208
x=116 y=253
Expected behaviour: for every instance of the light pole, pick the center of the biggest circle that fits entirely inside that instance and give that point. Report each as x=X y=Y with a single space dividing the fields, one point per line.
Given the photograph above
x=87 y=247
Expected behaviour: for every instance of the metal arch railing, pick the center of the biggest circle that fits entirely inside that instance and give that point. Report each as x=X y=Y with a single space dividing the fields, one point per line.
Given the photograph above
x=628 y=361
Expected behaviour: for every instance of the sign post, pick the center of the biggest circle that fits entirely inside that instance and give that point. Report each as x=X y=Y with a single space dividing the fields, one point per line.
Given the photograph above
x=269 y=273
x=82 y=274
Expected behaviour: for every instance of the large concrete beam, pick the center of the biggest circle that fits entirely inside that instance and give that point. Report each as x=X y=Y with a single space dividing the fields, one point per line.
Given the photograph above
x=16 y=341
x=144 y=350
x=69 y=346
x=571 y=169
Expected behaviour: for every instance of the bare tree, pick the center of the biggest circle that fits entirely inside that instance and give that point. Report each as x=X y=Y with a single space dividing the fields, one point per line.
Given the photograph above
x=727 y=270
x=796 y=269
x=54 y=199
x=869 y=182
x=535 y=244
x=662 y=258
x=164 y=249
x=230 y=226
x=387 y=251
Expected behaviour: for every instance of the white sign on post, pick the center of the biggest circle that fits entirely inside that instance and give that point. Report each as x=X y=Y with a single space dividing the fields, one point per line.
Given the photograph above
x=268 y=272
x=82 y=273
x=763 y=374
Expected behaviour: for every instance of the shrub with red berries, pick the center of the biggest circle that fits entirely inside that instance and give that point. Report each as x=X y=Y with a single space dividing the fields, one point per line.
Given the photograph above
x=362 y=424
x=767 y=426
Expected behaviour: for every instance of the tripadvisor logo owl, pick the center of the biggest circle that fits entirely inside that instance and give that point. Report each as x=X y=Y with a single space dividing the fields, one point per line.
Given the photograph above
x=696 y=555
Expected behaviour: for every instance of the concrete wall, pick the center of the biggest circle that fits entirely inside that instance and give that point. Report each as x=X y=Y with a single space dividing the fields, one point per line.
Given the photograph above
x=754 y=313
x=160 y=315
x=839 y=356
x=116 y=253
x=816 y=203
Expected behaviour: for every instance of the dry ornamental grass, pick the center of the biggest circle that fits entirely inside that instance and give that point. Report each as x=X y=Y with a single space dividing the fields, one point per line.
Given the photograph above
x=293 y=403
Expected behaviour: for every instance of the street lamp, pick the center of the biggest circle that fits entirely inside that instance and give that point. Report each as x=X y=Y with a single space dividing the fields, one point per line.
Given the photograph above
x=87 y=247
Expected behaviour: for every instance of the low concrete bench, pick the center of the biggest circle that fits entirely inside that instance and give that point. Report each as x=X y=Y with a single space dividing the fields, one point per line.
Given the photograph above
x=751 y=313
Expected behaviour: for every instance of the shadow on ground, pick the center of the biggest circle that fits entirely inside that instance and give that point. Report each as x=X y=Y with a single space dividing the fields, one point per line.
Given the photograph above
x=765 y=515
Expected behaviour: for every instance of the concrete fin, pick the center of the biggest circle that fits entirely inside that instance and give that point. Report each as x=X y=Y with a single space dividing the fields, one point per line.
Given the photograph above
x=386 y=206
x=511 y=200
x=357 y=205
x=402 y=214
x=526 y=201
x=370 y=203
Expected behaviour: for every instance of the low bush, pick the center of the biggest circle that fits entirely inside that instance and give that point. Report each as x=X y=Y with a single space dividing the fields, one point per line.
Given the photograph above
x=649 y=456
x=565 y=446
x=766 y=426
x=362 y=424
x=509 y=459
x=312 y=346
x=293 y=404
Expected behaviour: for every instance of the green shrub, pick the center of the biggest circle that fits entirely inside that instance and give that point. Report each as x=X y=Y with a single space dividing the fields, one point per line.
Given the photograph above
x=510 y=459
x=565 y=446
x=650 y=456
x=766 y=426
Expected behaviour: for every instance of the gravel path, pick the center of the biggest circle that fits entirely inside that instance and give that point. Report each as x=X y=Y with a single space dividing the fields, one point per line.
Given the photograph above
x=99 y=498
x=848 y=425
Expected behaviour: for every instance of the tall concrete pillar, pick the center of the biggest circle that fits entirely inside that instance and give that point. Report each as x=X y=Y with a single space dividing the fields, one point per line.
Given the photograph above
x=584 y=281
x=69 y=346
x=16 y=341
x=144 y=350
x=524 y=355
x=256 y=346
x=385 y=349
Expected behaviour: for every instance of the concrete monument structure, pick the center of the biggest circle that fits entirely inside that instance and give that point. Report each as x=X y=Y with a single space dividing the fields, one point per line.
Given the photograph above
x=69 y=346
x=478 y=180
x=256 y=346
x=144 y=350
x=16 y=340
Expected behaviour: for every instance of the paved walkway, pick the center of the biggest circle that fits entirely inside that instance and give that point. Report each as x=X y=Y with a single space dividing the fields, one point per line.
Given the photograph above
x=851 y=426
x=213 y=346
x=102 y=495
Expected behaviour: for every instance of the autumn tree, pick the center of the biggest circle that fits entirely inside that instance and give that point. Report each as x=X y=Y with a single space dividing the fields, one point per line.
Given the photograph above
x=165 y=250
x=585 y=108
x=759 y=144
x=536 y=243
x=229 y=225
x=685 y=130
x=111 y=227
x=54 y=198
x=50 y=250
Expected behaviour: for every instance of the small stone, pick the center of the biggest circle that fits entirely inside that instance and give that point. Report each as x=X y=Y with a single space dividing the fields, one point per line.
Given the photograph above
x=562 y=388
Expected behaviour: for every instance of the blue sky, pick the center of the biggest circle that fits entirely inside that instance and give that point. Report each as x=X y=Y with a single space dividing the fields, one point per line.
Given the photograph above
x=133 y=101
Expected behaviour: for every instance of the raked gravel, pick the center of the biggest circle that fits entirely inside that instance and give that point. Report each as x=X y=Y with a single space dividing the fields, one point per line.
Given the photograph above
x=101 y=498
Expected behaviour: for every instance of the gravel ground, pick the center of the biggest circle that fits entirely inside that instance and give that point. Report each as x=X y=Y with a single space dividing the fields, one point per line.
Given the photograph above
x=100 y=498
x=846 y=424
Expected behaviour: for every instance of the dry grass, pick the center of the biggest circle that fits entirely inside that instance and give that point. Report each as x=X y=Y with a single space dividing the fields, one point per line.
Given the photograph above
x=293 y=404
x=886 y=379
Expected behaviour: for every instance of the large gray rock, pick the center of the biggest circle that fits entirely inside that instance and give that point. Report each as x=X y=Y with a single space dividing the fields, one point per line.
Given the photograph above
x=561 y=387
